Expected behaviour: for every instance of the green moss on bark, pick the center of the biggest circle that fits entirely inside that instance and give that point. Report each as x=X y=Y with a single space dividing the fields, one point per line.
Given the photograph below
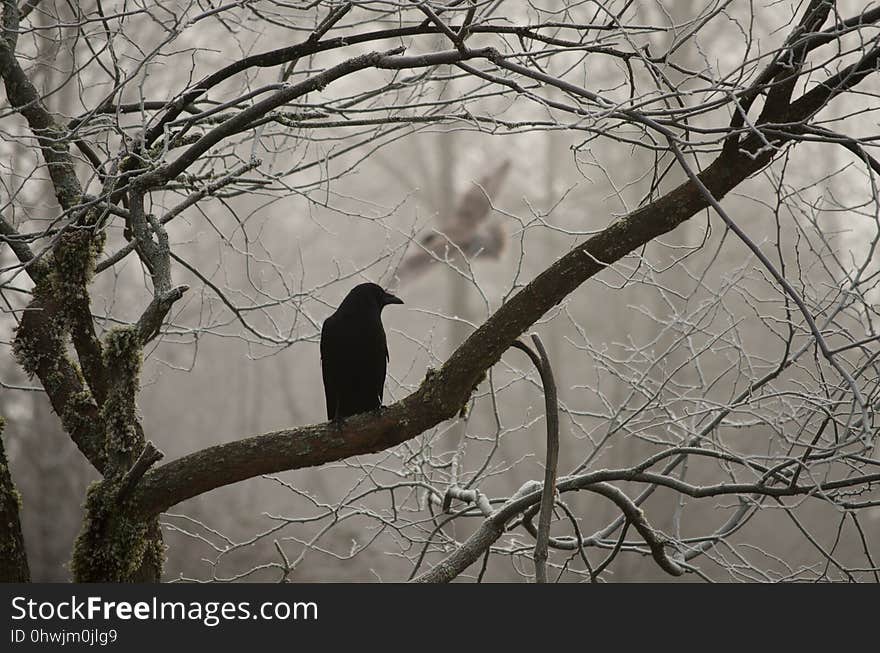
x=59 y=297
x=73 y=264
x=113 y=545
x=13 y=558
x=38 y=346
x=123 y=359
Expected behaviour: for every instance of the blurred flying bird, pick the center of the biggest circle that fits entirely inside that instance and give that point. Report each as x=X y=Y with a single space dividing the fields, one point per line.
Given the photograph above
x=354 y=352
x=466 y=232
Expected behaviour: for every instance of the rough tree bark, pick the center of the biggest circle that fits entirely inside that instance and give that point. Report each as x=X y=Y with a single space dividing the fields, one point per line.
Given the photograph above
x=13 y=556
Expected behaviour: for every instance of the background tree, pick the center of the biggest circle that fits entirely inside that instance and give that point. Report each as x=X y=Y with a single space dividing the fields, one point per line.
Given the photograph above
x=221 y=176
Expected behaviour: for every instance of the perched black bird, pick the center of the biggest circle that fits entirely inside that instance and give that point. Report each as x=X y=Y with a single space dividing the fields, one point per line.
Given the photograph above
x=354 y=352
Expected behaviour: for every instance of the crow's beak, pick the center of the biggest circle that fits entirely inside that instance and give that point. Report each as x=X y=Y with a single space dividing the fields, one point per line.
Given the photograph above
x=391 y=299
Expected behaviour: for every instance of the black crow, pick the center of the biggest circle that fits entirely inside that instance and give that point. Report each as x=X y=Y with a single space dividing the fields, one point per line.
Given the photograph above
x=354 y=352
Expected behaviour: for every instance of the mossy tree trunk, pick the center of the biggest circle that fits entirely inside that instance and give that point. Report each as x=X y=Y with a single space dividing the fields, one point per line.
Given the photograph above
x=96 y=402
x=114 y=544
x=93 y=395
x=13 y=557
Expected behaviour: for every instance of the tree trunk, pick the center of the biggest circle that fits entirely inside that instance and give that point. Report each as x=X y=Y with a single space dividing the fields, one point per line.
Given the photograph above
x=13 y=557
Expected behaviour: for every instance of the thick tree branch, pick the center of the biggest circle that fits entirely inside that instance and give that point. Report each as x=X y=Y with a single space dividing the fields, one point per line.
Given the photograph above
x=551 y=409
x=41 y=350
x=147 y=458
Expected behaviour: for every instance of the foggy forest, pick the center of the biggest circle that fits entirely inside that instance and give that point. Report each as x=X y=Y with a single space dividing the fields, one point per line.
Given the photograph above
x=636 y=245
